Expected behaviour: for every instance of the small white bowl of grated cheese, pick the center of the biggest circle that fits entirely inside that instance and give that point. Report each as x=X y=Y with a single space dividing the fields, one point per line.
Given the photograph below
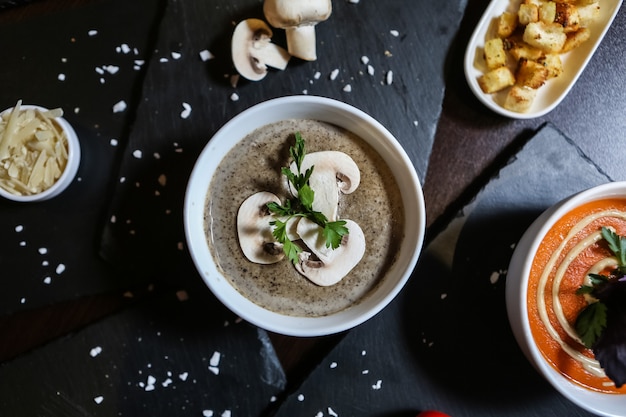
x=39 y=153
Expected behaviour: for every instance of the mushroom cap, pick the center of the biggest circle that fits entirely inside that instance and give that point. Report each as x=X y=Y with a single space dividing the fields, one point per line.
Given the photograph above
x=333 y=264
x=252 y=50
x=333 y=172
x=254 y=230
x=289 y=13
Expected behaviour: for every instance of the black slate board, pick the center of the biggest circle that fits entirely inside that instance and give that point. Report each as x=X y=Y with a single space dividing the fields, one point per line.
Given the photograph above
x=146 y=230
x=170 y=356
x=34 y=54
x=445 y=342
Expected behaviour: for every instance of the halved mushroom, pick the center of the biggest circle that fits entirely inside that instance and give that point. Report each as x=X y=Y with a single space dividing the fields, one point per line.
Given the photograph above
x=333 y=172
x=255 y=232
x=298 y=18
x=253 y=51
x=331 y=265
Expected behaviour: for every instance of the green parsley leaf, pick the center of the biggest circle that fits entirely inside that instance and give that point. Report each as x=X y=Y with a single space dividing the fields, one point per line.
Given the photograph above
x=591 y=322
x=333 y=233
x=617 y=244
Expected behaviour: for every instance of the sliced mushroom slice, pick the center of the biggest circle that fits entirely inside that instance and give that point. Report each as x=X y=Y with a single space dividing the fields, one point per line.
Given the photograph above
x=331 y=265
x=253 y=51
x=255 y=232
x=334 y=172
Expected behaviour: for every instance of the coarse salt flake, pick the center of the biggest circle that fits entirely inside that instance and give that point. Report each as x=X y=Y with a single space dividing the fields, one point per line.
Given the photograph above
x=332 y=412
x=207 y=413
x=215 y=359
x=164 y=60
x=92 y=32
x=495 y=276
x=137 y=153
x=183 y=376
x=42 y=251
x=186 y=111
x=113 y=142
x=353 y=1
x=60 y=269
x=300 y=397
x=214 y=369
x=226 y=413
x=124 y=48
x=176 y=55
x=19 y=228
x=317 y=75
x=334 y=74
x=98 y=399
x=370 y=70
x=365 y=60
x=61 y=77
x=394 y=33
x=333 y=365
x=120 y=106
x=95 y=351
x=47 y=280
x=347 y=88
x=111 y=69
x=206 y=55
x=377 y=385
x=234 y=97
x=389 y=78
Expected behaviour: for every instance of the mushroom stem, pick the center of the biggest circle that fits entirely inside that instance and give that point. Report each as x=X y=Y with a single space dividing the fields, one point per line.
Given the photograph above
x=301 y=42
x=269 y=54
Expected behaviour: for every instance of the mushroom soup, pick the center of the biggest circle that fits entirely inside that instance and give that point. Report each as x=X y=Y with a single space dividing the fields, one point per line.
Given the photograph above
x=253 y=166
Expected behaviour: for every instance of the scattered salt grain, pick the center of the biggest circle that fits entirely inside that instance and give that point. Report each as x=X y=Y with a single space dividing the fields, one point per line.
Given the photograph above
x=365 y=60
x=495 y=276
x=137 y=153
x=120 y=106
x=124 y=48
x=300 y=397
x=207 y=413
x=334 y=74
x=22 y=300
x=353 y=1
x=111 y=69
x=22 y=243
x=226 y=413
x=317 y=75
x=176 y=55
x=365 y=371
x=61 y=77
x=95 y=351
x=47 y=280
x=92 y=32
x=415 y=123
x=113 y=142
x=215 y=359
x=99 y=70
x=98 y=399
x=394 y=33
x=333 y=365
x=150 y=384
x=45 y=263
x=378 y=385
x=19 y=228
x=60 y=269
x=332 y=413
x=183 y=376
x=206 y=55
x=76 y=110
x=163 y=60
x=186 y=111
x=166 y=382
x=363 y=353
x=347 y=88
x=319 y=414
x=389 y=78
x=444 y=296
x=234 y=97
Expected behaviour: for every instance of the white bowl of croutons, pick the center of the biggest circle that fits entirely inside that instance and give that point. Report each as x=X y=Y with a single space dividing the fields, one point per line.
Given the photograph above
x=39 y=153
x=524 y=57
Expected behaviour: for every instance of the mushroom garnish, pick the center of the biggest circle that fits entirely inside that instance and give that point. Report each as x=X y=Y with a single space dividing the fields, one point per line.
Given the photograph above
x=253 y=51
x=298 y=18
x=331 y=265
x=255 y=232
x=334 y=173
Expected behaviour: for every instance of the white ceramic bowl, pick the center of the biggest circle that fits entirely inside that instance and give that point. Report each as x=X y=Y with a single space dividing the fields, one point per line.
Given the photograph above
x=342 y=115
x=516 y=302
x=69 y=172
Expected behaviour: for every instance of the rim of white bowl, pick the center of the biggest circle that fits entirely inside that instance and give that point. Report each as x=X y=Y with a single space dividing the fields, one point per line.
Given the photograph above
x=73 y=162
x=575 y=393
x=331 y=111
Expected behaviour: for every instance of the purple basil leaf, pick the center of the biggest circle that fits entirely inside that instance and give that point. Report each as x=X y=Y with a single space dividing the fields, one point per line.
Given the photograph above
x=610 y=348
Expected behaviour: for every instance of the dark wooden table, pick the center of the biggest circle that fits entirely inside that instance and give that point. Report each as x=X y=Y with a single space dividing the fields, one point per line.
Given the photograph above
x=471 y=143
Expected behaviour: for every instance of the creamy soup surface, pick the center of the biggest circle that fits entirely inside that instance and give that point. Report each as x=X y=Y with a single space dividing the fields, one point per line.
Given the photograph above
x=254 y=165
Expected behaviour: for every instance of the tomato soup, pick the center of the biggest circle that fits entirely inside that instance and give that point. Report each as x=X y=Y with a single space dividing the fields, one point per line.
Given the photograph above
x=572 y=249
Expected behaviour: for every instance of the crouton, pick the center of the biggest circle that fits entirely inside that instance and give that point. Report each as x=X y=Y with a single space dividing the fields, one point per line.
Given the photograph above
x=496 y=80
x=553 y=64
x=527 y=13
x=507 y=23
x=547 y=12
x=519 y=49
x=519 y=99
x=494 y=53
x=588 y=13
x=530 y=74
x=549 y=37
x=575 y=39
x=567 y=16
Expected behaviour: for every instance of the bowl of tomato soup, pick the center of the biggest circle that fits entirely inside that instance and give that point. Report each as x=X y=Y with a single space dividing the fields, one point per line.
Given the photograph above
x=552 y=264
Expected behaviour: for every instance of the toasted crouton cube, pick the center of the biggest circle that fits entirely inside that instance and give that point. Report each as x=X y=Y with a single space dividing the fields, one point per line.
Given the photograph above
x=567 y=16
x=494 y=53
x=507 y=22
x=527 y=13
x=575 y=39
x=519 y=49
x=496 y=80
x=549 y=37
x=530 y=74
x=553 y=64
x=547 y=12
x=519 y=99
x=588 y=13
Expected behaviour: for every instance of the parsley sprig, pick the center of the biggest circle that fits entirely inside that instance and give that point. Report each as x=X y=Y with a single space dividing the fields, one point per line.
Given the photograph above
x=301 y=205
x=601 y=325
